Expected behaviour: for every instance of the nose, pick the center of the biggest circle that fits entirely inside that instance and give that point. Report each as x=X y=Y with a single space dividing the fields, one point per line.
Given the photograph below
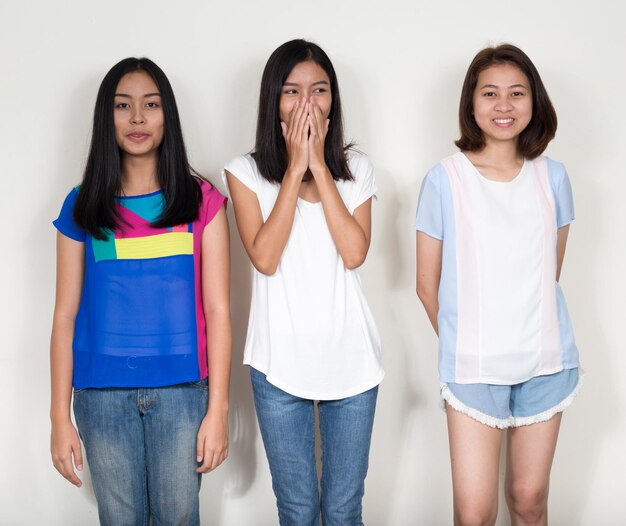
x=504 y=105
x=137 y=116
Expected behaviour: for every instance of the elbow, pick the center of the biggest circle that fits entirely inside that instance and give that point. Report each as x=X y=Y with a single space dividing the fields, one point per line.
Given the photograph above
x=354 y=261
x=424 y=293
x=266 y=267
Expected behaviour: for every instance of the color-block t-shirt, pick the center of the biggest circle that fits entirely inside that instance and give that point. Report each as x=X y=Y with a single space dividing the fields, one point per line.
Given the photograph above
x=502 y=316
x=140 y=321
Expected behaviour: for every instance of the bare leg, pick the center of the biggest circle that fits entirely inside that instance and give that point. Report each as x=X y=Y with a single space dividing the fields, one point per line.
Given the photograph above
x=529 y=460
x=475 y=458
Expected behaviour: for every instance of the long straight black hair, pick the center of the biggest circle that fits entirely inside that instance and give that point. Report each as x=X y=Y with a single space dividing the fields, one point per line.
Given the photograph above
x=95 y=210
x=270 y=150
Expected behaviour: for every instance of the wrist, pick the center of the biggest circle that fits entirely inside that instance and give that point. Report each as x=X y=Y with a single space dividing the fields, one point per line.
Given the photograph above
x=320 y=171
x=218 y=406
x=58 y=419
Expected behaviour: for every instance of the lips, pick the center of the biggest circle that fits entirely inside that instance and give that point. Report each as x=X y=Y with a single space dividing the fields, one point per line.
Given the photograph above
x=504 y=122
x=137 y=136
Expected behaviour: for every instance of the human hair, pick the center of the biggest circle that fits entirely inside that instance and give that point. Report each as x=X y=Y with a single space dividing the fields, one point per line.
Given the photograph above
x=95 y=209
x=270 y=150
x=542 y=126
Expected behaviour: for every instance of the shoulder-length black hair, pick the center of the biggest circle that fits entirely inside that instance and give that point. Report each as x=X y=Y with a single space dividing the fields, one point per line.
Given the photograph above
x=542 y=126
x=270 y=151
x=95 y=210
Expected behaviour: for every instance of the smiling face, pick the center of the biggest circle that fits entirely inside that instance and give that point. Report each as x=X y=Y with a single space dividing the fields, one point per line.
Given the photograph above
x=138 y=115
x=502 y=103
x=306 y=80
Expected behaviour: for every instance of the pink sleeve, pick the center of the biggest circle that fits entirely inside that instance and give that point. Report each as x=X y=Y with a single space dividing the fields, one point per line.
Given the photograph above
x=212 y=200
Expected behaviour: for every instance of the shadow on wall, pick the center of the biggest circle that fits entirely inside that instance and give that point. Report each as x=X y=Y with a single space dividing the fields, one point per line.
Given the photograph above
x=234 y=479
x=584 y=282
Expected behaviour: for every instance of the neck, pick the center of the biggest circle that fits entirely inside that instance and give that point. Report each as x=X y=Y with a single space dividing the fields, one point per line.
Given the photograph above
x=499 y=154
x=139 y=175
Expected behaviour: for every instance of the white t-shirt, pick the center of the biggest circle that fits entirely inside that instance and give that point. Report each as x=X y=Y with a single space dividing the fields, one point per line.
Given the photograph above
x=310 y=329
x=502 y=316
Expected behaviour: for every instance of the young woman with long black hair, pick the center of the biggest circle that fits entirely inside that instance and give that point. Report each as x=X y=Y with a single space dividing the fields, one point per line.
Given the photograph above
x=302 y=203
x=142 y=311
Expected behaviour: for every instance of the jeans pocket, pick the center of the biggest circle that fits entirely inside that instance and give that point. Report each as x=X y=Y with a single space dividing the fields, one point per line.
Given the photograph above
x=78 y=392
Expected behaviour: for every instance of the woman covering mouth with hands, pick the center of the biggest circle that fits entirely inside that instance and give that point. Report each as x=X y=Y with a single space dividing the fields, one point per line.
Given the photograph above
x=302 y=202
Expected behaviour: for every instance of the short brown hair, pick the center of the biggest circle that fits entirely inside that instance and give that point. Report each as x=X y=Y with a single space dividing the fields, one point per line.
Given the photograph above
x=542 y=126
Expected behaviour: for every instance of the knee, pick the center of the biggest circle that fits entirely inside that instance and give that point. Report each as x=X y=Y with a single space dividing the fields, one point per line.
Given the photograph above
x=298 y=513
x=527 y=501
x=475 y=514
x=339 y=517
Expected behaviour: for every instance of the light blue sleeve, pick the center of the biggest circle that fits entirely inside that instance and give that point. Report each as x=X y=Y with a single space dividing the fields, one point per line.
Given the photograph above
x=429 y=217
x=562 y=190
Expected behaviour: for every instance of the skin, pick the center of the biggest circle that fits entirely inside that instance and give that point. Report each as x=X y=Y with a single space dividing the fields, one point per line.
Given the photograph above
x=304 y=108
x=502 y=109
x=138 y=119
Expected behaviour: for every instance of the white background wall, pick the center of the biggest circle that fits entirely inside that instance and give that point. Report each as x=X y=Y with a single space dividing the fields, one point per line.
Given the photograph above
x=400 y=66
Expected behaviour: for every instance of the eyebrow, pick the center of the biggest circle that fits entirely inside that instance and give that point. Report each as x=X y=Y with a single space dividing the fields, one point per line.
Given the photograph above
x=145 y=96
x=511 y=86
x=314 y=84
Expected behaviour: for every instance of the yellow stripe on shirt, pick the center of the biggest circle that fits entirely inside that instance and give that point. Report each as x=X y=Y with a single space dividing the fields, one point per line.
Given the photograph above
x=157 y=246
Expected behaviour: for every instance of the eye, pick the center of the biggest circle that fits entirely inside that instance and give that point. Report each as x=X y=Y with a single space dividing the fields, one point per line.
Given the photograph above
x=152 y=105
x=518 y=94
x=320 y=90
x=290 y=91
x=122 y=105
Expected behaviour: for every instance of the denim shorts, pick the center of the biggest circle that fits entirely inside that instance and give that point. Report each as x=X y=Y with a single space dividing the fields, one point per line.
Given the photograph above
x=502 y=406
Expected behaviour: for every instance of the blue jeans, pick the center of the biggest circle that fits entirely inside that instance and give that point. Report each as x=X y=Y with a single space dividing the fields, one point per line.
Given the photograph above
x=287 y=428
x=141 y=449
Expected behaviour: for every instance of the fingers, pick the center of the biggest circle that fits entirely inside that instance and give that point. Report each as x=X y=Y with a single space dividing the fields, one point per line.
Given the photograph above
x=292 y=130
x=78 y=456
x=66 y=451
x=301 y=125
x=210 y=457
x=64 y=465
x=318 y=121
x=295 y=133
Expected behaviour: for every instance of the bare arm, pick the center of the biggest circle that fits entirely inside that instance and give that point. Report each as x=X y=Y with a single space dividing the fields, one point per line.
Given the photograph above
x=212 y=442
x=265 y=241
x=351 y=233
x=65 y=444
x=561 y=243
x=428 y=274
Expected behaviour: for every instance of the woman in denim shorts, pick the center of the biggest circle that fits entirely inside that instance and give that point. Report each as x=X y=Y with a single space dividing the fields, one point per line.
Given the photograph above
x=492 y=225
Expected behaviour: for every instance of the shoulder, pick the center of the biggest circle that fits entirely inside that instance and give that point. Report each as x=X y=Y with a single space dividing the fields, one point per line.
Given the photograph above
x=212 y=200
x=556 y=170
x=241 y=164
x=244 y=168
x=358 y=161
x=65 y=221
x=70 y=199
x=208 y=190
x=361 y=169
x=439 y=171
